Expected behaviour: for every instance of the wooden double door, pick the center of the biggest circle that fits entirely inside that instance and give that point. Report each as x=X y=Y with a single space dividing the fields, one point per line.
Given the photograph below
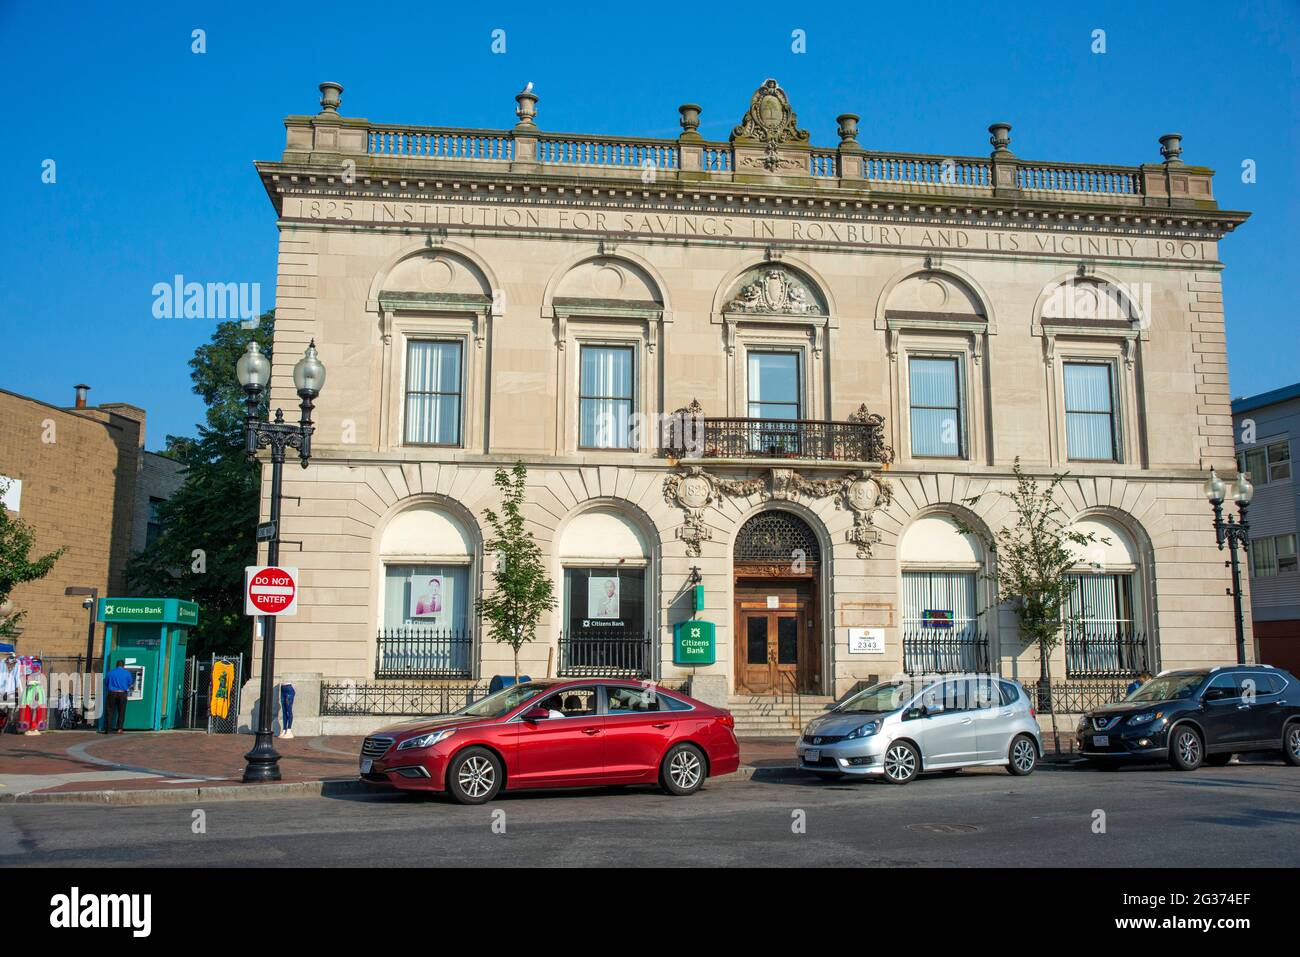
x=777 y=647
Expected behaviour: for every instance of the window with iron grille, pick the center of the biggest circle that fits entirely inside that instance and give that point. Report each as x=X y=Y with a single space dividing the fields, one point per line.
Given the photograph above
x=776 y=536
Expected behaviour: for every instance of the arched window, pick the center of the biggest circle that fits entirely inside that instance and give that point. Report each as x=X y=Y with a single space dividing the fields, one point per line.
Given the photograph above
x=1104 y=637
x=941 y=568
x=425 y=619
x=776 y=536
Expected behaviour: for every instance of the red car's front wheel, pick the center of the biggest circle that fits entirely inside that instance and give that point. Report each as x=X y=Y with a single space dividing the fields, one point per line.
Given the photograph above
x=474 y=776
x=683 y=769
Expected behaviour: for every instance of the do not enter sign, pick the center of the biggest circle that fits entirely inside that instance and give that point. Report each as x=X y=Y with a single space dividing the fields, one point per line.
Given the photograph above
x=270 y=590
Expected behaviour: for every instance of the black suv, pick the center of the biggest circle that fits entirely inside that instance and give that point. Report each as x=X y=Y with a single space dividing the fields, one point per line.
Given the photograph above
x=1195 y=717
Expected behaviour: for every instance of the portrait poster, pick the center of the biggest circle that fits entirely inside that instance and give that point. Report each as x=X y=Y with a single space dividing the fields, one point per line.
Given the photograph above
x=602 y=597
x=429 y=598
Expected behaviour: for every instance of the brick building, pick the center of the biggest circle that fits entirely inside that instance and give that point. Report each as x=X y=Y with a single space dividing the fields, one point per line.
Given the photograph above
x=81 y=478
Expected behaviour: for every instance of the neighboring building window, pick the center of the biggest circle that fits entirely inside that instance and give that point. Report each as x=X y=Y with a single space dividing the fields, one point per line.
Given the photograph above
x=934 y=388
x=1272 y=555
x=154 y=528
x=605 y=390
x=426 y=619
x=773 y=383
x=1267 y=463
x=1090 y=412
x=433 y=392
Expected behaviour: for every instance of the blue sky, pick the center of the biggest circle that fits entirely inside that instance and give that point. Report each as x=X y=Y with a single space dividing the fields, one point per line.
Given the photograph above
x=154 y=144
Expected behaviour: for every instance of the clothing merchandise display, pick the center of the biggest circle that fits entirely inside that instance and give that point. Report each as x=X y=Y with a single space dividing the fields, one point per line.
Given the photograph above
x=287 y=695
x=223 y=681
x=33 y=715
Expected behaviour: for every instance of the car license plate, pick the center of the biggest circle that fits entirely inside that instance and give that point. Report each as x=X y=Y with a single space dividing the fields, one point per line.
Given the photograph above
x=812 y=756
x=1101 y=741
x=366 y=764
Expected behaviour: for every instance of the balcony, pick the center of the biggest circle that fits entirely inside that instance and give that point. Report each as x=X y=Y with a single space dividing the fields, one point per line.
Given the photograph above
x=692 y=435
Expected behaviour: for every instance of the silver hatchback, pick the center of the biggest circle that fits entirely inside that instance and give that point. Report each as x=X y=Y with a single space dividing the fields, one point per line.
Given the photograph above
x=898 y=729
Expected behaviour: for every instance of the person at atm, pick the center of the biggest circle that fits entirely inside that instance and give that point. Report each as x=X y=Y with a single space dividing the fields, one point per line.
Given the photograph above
x=117 y=684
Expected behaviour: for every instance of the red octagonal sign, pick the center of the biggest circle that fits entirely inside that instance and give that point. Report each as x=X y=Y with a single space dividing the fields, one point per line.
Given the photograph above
x=270 y=590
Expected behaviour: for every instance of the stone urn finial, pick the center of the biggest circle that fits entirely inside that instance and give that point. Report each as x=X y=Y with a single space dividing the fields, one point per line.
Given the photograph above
x=1000 y=138
x=690 y=119
x=1171 y=148
x=848 y=131
x=527 y=108
x=331 y=97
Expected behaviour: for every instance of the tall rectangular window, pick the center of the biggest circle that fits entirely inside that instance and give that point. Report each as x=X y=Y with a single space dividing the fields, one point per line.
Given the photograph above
x=605 y=389
x=773 y=384
x=1090 y=412
x=433 y=392
x=934 y=387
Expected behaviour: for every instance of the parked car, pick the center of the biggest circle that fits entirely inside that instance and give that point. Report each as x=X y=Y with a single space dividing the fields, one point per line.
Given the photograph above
x=898 y=729
x=1198 y=716
x=558 y=734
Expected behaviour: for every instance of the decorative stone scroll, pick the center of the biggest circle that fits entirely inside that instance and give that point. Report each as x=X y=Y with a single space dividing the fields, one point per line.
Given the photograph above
x=770 y=121
x=693 y=490
x=775 y=290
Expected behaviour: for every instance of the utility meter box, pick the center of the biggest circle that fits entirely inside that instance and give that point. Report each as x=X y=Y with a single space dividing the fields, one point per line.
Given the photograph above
x=149 y=636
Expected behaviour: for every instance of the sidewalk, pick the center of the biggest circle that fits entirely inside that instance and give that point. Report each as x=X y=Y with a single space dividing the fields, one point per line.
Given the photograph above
x=152 y=767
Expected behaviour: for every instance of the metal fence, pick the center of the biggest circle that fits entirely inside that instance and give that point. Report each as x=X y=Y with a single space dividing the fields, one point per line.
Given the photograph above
x=621 y=655
x=934 y=651
x=1074 y=697
x=730 y=437
x=1092 y=652
x=415 y=653
x=343 y=699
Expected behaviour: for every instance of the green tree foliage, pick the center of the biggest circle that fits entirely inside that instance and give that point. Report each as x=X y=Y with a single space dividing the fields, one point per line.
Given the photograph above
x=522 y=591
x=207 y=536
x=16 y=564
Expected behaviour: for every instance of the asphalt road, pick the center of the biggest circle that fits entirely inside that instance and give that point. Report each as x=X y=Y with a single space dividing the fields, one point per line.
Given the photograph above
x=1241 y=815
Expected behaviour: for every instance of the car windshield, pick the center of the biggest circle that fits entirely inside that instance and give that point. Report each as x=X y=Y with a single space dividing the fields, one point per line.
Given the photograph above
x=1168 y=688
x=501 y=703
x=878 y=699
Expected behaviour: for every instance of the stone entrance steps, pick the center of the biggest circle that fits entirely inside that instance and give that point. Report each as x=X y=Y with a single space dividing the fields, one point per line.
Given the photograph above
x=761 y=716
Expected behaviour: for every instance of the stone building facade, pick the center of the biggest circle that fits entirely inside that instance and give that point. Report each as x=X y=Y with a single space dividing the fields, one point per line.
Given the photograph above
x=793 y=374
x=83 y=480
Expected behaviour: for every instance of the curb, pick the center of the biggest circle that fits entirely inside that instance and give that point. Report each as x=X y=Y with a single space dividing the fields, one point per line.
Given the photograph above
x=229 y=792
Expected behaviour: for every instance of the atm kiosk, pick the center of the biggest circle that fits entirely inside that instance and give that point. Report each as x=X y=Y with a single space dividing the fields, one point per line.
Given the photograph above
x=148 y=636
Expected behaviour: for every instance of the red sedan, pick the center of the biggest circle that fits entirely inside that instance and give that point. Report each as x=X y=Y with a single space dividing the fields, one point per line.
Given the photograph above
x=558 y=734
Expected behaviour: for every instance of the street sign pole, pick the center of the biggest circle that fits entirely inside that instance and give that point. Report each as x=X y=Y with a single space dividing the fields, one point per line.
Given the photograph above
x=264 y=761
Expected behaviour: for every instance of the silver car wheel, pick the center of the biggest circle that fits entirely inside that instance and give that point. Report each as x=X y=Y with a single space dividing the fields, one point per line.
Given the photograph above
x=685 y=769
x=1022 y=755
x=1293 y=741
x=1189 y=747
x=476 y=776
x=900 y=762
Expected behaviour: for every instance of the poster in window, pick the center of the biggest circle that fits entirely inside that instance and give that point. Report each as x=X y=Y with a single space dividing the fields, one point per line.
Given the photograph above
x=936 y=618
x=428 y=598
x=602 y=598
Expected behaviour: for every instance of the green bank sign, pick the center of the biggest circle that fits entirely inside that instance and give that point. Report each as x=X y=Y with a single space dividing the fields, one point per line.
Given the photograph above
x=161 y=610
x=693 y=643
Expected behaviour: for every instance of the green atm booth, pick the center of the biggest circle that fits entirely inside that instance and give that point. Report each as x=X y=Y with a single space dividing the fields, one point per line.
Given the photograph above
x=148 y=636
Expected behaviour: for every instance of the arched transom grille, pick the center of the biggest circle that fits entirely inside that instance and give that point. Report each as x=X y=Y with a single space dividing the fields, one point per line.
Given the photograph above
x=776 y=536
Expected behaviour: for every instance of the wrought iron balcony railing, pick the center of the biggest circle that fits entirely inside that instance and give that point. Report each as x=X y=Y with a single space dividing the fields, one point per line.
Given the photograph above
x=1105 y=651
x=694 y=435
x=413 y=652
x=938 y=651
x=627 y=654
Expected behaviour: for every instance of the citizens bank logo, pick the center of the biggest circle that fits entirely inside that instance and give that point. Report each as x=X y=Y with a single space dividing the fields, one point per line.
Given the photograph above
x=77 y=910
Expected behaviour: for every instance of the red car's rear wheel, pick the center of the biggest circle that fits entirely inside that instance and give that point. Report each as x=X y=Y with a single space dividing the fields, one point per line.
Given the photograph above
x=683 y=769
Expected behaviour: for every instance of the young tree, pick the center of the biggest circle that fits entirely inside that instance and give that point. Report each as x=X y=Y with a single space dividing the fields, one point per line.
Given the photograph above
x=522 y=591
x=16 y=565
x=208 y=524
x=1034 y=564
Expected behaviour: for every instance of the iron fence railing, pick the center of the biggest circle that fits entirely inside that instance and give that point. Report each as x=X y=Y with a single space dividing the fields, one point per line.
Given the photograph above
x=939 y=651
x=1074 y=697
x=415 y=653
x=345 y=699
x=623 y=654
x=809 y=439
x=1105 y=652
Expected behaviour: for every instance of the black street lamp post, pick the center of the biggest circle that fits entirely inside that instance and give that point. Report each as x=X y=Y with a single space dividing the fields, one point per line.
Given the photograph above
x=1235 y=533
x=254 y=372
